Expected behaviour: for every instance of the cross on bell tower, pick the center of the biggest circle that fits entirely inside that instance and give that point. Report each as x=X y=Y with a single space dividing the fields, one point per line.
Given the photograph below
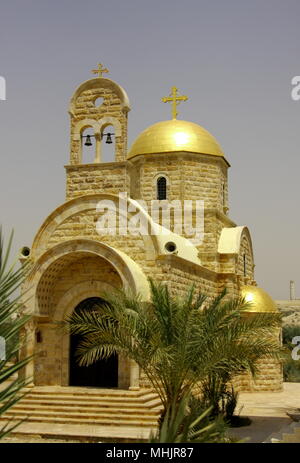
x=175 y=100
x=101 y=70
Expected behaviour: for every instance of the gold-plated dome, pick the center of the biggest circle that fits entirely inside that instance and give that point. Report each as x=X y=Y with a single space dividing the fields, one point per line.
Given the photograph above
x=259 y=299
x=175 y=135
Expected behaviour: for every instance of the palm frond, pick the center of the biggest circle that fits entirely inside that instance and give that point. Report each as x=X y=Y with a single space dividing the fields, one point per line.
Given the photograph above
x=12 y=321
x=179 y=343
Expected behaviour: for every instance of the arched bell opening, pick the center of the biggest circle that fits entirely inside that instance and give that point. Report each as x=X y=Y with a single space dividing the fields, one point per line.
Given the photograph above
x=108 y=144
x=88 y=146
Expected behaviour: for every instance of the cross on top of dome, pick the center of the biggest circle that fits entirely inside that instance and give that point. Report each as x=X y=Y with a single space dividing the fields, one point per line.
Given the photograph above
x=175 y=100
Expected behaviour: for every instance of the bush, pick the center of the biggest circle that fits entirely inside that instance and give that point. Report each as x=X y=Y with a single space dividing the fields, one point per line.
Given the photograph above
x=289 y=332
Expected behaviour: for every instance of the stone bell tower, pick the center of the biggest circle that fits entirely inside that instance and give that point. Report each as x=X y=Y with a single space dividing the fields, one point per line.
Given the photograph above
x=86 y=112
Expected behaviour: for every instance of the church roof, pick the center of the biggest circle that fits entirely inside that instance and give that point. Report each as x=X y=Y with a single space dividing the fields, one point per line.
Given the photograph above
x=230 y=240
x=175 y=135
x=259 y=299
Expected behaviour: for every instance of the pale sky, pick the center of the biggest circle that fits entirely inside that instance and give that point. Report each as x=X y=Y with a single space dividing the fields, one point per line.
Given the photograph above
x=233 y=58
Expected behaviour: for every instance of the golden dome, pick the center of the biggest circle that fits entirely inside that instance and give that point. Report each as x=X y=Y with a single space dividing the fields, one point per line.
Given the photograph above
x=175 y=135
x=260 y=300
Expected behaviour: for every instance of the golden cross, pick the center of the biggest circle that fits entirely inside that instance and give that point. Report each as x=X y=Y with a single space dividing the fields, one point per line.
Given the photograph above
x=175 y=100
x=100 y=70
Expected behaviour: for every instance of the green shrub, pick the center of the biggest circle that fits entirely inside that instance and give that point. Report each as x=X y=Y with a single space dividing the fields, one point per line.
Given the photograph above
x=289 y=332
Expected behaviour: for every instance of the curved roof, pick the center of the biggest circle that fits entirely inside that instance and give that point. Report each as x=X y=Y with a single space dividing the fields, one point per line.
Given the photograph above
x=175 y=135
x=100 y=82
x=230 y=239
x=160 y=236
x=259 y=299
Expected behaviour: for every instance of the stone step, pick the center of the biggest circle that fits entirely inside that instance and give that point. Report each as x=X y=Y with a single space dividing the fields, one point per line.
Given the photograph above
x=91 y=403
x=89 y=410
x=84 y=421
x=290 y=439
x=75 y=414
x=95 y=408
x=80 y=403
x=290 y=433
x=95 y=398
x=297 y=432
x=81 y=391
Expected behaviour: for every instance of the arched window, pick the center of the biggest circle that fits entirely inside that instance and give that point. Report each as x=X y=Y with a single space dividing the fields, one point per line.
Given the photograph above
x=161 y=188
x=38 y=336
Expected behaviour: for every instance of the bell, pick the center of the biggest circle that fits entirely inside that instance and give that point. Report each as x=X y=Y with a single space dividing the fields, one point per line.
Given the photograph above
x=88 y=141
x=108 y=138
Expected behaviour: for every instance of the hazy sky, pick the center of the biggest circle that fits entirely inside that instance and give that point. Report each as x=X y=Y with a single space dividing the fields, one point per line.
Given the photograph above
x=234 y=59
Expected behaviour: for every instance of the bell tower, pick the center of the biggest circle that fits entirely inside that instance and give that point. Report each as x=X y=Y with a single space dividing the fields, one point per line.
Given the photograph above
x=97 y=104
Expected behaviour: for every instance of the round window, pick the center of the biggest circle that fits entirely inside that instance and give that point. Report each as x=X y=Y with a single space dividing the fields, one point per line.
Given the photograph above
x=25 y=251
x=170 y=246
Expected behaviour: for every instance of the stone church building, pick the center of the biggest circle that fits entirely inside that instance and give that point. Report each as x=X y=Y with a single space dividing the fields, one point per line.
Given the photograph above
x=73 y=261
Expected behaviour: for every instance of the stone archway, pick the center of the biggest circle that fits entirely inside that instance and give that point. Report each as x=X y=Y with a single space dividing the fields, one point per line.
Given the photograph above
x=61 y=279
x=69 y=301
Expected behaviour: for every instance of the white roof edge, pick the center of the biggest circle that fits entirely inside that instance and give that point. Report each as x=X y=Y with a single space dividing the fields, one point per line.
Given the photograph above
x=230 y=240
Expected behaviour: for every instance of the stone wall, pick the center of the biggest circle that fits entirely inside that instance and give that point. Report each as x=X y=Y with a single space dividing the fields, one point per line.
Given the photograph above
x=268 y=378
x=189 y=177
x=96 y=178
x=57 y=281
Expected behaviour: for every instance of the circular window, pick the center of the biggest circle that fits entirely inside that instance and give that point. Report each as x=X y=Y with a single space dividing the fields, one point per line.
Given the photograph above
x=25 y=251
x=98 y=102
x=170 y=246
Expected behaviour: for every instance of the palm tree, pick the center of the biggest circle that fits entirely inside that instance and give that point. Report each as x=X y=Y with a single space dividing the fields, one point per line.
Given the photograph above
x=183 y=424
x=177 y=342
x=11 y=324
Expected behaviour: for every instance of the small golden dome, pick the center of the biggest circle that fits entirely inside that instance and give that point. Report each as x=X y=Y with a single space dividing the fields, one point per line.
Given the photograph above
x=259 y=299
x=175 y=135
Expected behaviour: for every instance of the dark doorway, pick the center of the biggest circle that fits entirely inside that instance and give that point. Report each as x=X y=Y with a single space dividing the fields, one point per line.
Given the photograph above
x=103 y=373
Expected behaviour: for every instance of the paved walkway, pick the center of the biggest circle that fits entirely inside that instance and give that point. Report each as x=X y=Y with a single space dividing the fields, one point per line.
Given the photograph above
x=267 y=411
x=32 y=432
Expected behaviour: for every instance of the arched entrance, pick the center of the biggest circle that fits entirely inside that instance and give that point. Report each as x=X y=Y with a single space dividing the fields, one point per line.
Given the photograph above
x=62 y=277
x=103 y=373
